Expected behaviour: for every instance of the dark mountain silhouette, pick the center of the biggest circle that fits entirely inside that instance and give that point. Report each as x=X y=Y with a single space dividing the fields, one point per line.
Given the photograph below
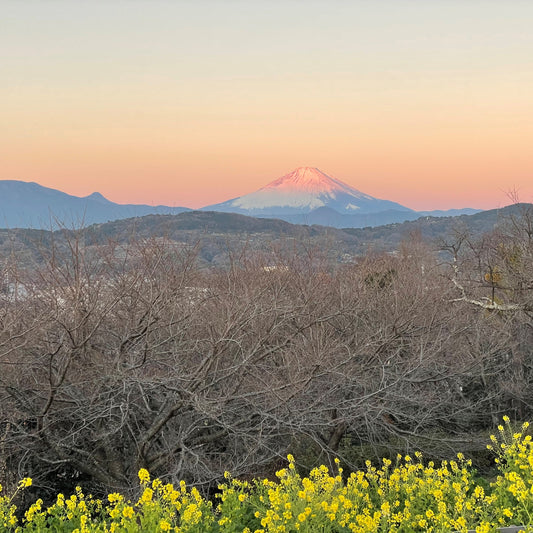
x=30 y=205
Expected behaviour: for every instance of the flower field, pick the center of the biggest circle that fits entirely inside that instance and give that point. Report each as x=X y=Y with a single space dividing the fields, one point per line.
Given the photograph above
x=407 y=495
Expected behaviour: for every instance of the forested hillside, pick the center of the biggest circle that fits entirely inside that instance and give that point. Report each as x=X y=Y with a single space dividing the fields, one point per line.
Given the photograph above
x=218 y=238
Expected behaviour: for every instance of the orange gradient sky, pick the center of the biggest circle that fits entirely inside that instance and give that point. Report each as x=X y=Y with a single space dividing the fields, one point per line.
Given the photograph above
x=429 y=104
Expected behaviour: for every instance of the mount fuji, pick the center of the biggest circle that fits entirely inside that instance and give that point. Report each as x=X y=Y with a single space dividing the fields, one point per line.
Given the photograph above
x=304 y=191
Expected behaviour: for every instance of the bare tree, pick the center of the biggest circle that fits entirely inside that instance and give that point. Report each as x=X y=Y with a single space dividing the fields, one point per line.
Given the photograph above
x=116 y=357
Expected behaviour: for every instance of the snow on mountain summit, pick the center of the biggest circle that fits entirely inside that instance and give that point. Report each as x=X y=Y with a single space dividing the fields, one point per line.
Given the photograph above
x=302 y=191
x=310 y=179
x=305 y=187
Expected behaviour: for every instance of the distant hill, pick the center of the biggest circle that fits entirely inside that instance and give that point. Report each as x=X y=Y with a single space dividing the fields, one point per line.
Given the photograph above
x=30 y=205
x=438 y=229
x=214 y=235
x=203 y=222
x=326 y=216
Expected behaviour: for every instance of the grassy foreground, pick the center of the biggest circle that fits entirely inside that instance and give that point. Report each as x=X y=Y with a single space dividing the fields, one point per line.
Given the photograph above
x=407 y=496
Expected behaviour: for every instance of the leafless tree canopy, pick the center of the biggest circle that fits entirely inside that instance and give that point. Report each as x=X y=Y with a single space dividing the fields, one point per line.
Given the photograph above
x=120 y=357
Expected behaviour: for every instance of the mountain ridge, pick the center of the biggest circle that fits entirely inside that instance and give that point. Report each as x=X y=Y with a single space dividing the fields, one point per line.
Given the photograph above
x=27 y=204
x=30 y=205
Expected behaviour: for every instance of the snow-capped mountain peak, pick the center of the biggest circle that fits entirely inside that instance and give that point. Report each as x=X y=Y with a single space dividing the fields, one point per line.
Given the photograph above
x=305 y=188
x=302 y=191
x=311 y=180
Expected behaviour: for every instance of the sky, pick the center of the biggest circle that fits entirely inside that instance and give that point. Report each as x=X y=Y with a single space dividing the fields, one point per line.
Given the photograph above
x=428 y=103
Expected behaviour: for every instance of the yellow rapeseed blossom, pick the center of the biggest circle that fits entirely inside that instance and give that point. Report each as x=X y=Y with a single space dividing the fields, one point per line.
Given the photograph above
x=147 y=495
x=26 y=482
x=164 y=525
x=128 y=511
x=407 y=496
x=144 y=476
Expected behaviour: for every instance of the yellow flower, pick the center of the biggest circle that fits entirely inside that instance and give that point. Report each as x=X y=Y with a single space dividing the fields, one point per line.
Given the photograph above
x=147 y=495
x=483 y=528
x=164 y=525
x=144 y=476
x=26 y=482
x=33 y=510
x=461 y=523
x=128 y=511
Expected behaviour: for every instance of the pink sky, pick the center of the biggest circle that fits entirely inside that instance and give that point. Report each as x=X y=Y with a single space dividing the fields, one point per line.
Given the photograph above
x=424 y=103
